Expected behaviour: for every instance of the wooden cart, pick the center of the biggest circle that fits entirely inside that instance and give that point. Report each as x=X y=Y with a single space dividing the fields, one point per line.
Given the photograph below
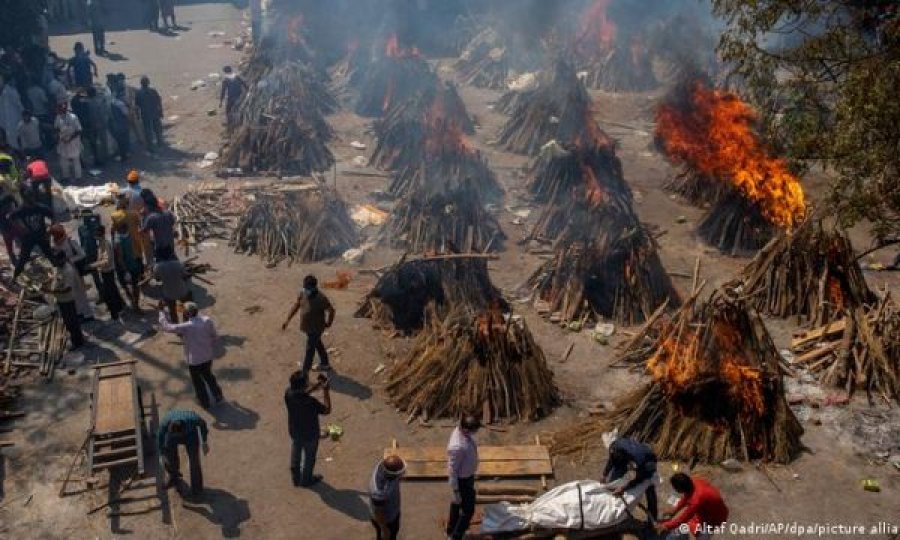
x=117 y=420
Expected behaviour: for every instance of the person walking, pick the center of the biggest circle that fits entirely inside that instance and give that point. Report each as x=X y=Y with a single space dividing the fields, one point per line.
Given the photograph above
x=303 y=412
x=462 y=464
x=199 y=336
x=150 y=109
x=68 y=129
x=106 y=267
x=624 y=452
x=61 y=286
x=384 y=497
x=167 y=11
x=129 y=265
x=170 y=272
x=233 y=88
x=316 y=315
x=97 y=23
x=180 y=427
x=160 y=223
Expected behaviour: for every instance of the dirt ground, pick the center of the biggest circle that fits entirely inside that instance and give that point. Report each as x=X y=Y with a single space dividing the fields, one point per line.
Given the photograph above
x=249 y=492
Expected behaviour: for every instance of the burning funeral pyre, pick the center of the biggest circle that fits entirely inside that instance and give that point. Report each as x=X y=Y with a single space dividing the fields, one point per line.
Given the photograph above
x=710 y=133
x=810 y=272
x=295 y=223
x=396 y=76
x=281 y=127
x=557 y=108
x=402 y=294
x=860 y=351
x=484 y=363
x=443 y=196
x=613 y=58
x=716 y=392
x=404 y=129
x=484 y=62
x=605 y=263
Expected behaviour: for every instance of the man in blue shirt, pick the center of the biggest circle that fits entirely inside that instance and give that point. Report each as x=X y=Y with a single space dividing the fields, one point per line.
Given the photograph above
x=624 y=452
x=82 y=69
x=189 y=429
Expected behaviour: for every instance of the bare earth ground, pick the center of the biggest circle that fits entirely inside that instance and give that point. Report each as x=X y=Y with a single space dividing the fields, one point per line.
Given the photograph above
x=249 y=492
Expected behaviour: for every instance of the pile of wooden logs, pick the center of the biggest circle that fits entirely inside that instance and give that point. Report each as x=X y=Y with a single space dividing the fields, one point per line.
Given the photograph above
x=860 y=351
x=487 y=363
x=347 y=74
x=202 y=214
x=393 y=79
x=403 y=130
x=281 y=128
x=716 y=392
x=618 y=275
x=735 y=225
x=295 y=223
x=559 y=108
x=811 y=272
x=484 y=61
x=695 y=188
x=626 y=67
x=402 y=294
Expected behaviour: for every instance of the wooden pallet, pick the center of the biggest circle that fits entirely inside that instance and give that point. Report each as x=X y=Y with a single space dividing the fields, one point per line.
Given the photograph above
x=116 y=420
x=430 y=463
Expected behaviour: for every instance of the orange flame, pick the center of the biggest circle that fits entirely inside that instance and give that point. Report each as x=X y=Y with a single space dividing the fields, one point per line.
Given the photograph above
x=715 y=137
x=598 y=32
x=490 y=321
x=677 y=363
x=393 y=49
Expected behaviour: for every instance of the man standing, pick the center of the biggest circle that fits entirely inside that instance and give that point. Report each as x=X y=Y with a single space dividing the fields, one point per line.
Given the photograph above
x=303 y=425
x=105 y=265
x=149 y=106
x=233 y=87
x=119 y=127
x=98 y=111
x=81 y=69
x=384 y=497
x=61 y=286
x=462 y=464
x=29 y=136
x=33 y=217
x=701 y=508
x=198 y=333
x=169 y=270
x=68 y=129
x=167 y=10
x=95 y=17
x=624 y=452
x=317 y=314
x=160 y=223
x=188 y=429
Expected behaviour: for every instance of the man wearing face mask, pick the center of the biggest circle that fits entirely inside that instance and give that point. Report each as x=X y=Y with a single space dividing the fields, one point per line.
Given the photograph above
x=316 y=315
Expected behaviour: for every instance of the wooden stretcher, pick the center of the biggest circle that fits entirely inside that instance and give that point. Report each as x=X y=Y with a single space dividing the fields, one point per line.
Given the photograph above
x=430 y=463
x=117 y=420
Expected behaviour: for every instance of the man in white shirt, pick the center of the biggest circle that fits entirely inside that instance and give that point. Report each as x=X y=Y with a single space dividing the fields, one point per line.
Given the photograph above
x=69 y=147
x=10 y=112
x=199 y=336
x=462 y=464
x=29 y=136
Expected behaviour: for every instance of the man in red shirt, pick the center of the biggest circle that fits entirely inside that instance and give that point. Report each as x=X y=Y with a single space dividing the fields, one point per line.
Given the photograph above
x=701 y=508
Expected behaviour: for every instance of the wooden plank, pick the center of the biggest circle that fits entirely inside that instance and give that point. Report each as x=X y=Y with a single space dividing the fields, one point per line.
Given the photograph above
x=115 y=405
x=117 y=463
x=803 y=338
x=115 y=364
x=123 y=450
x=486 y=469
x=485 y=453
x=114 y=440
x=817 y=353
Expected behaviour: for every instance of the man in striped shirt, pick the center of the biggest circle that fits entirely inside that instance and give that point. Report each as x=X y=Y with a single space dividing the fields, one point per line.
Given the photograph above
x=462 y=464
x=189 y=429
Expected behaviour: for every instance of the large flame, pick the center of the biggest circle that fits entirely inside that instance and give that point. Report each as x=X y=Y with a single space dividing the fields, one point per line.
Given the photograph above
x=443 y=134
x=714 y=135
x=597 y=32
x=680 y=362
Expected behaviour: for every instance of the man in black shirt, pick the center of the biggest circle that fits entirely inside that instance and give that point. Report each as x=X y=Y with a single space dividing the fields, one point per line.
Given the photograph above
x=33 y=217
x=149 y=105
x=624 y=452
x=233 y=87
x=303 y=425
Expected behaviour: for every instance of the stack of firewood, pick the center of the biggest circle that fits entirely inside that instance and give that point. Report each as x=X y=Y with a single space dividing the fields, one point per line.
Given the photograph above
x=860 y=351
x=484 y=61
x=403 y=130
x=485 y=363
x=304 y=224
x=736 y=225
x=402 y=294
x=281 y=127
x=392 y=79
x=202 y=214
x=811 y=272
x=716 y=392
x=623 y=68
x=559 y=108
